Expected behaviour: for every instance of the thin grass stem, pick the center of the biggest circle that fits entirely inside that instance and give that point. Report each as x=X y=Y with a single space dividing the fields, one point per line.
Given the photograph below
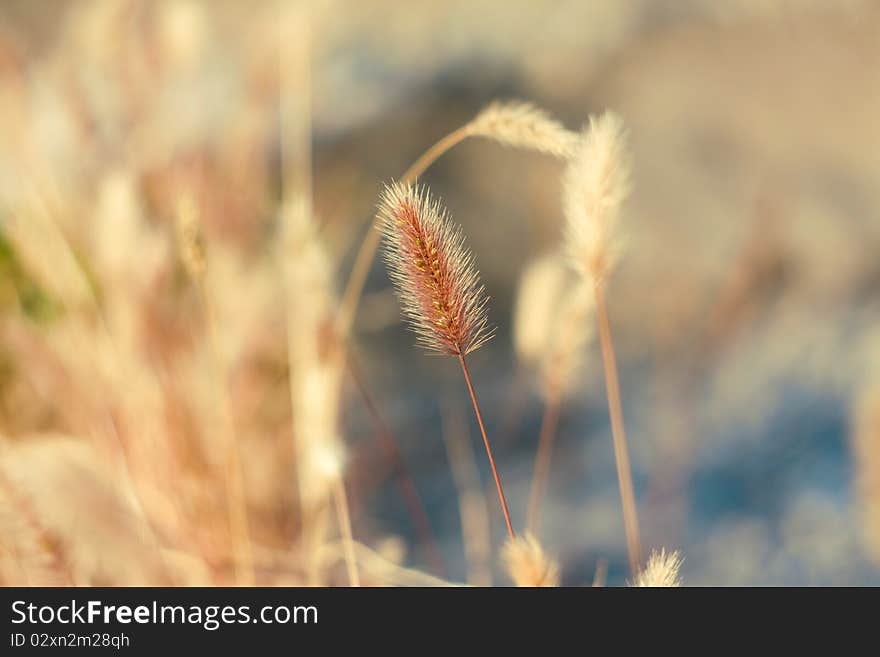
x=341 y=502
x=621 y=453
x=501 y=497
x=542 y=459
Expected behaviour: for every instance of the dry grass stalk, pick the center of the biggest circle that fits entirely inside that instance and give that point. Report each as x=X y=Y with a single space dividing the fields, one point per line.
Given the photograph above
x=438 y=286
x=568 y=330
x=328 y=462
x=596 y=184
x=527 y=563
x=295 y=98
x=192 y=253
x=601 y=573
x=621 y=451
x=29 y=555
x=661 y=571
x=111 y=543
x=541 y=471
x=866 y=447
x=315 y=361
x=39 y=238
x=344 y=517
x=315 y=371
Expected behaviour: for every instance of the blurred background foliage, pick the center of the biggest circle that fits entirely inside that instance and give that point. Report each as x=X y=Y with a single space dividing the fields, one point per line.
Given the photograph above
x=745 y=308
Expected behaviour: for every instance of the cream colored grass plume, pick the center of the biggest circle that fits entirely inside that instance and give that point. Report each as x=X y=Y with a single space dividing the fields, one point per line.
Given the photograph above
x=596 y=182
x=527 y=564
x=539 y=295
x=438 y=286
x=661 y=571
x=522 y=125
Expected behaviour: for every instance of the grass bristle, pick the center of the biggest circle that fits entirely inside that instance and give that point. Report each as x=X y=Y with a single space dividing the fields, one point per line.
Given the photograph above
x=433 y=271
x=527 y=564
x=522 y=125
x=661 y=571
x=596 y=182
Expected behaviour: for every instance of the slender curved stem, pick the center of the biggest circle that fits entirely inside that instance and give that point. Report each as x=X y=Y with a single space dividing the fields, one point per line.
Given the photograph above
x=621 y=453
x=467 y=378
x=345 y=527
x=601 y=573
x=433 y=154
x=542 y=459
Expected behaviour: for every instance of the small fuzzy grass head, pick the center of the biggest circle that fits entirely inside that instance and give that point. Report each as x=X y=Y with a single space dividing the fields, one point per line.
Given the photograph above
x=434 y=273
x=527 y=563
x=572 y=331
x=596 y=182
x=522 y=125
x=661 y=571
x=541 y=291
x=550 y=327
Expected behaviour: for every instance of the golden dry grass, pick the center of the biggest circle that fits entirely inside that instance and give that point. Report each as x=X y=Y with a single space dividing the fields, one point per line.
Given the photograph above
x=187 y=285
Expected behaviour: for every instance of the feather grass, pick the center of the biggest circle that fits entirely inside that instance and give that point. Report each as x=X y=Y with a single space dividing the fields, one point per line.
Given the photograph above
x=661 y=571
x=438 y=287
x=596 y=182
x=527 y=564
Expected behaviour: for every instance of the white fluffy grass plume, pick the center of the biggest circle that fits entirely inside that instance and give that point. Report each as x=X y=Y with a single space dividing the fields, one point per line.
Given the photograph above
x=528 y=564
x=596 y=182
x=540 y=293
x=661 y=571
x=551 y=321
x=522 y=125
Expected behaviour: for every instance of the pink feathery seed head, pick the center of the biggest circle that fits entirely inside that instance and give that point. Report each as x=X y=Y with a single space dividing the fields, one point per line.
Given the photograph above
x=434 y=273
